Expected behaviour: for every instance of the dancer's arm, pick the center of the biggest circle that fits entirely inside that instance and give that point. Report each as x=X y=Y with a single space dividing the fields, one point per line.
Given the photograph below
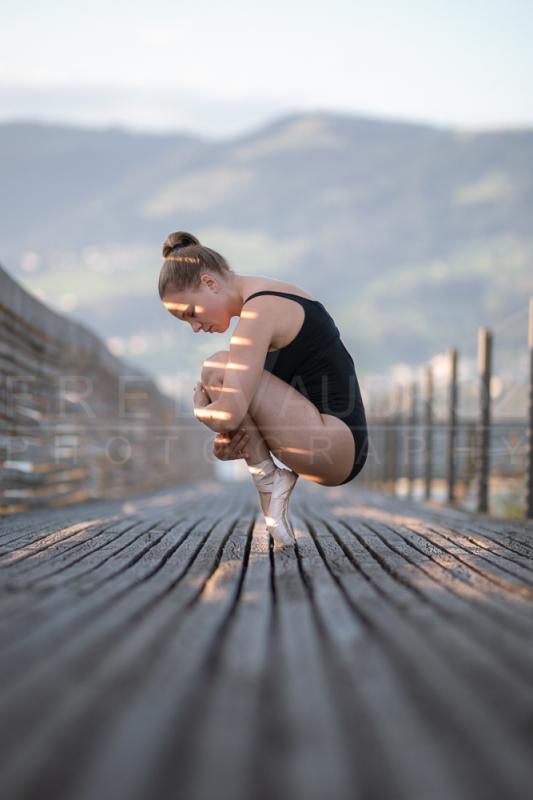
x=207 y=412
x=248 y=348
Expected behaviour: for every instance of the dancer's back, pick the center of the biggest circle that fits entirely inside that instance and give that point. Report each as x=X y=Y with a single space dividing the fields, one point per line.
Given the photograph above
x=318 y=365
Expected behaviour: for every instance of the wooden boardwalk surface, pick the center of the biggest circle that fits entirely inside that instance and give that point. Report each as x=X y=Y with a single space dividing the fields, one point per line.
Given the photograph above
x=159 y=647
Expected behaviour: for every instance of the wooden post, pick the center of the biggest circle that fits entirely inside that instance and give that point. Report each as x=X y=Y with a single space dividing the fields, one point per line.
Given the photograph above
x=469 y=469
x=410 y=448
x=483 y=465
x=428 y=431
x=452 y=424
x=384 y=444
x=529 y=472
x=388 y=448
x=397 y=415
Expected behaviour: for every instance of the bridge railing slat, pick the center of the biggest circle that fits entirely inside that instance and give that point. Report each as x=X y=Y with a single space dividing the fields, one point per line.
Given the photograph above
x=76 y=421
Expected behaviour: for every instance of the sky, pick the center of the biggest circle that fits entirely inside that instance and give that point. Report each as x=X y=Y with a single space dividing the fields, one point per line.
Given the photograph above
x=219 y=68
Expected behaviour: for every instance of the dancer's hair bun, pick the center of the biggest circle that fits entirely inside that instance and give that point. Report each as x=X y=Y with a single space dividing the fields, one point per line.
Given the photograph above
x=177 y=240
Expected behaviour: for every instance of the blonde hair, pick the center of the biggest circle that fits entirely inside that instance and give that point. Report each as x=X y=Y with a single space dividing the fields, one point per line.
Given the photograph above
x=184 y=260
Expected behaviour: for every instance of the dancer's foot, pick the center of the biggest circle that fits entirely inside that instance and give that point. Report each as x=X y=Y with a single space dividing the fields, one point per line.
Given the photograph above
x=278 y=523
x=263 y=477
x=264 y=502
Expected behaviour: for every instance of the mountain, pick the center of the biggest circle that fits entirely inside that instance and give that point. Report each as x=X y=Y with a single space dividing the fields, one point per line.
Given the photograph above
x=411 y=235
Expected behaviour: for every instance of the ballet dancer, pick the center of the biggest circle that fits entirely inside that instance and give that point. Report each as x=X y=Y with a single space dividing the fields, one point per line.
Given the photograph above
x=287 y=385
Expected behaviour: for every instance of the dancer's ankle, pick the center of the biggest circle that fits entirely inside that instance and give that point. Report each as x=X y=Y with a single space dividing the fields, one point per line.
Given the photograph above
x=263 y=474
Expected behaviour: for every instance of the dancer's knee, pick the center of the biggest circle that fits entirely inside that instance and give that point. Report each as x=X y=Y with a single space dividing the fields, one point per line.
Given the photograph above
x=212 y=375
x=214 y=366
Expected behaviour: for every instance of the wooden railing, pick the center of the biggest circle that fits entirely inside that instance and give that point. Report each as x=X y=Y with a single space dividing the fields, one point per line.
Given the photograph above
x=408 y=444
x=77 y=422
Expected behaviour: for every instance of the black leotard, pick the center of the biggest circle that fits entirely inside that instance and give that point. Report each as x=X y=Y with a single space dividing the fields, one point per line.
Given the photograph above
x=319 y=366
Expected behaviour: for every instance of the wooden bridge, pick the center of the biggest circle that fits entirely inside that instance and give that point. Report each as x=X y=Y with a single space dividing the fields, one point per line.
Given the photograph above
x=160 y=646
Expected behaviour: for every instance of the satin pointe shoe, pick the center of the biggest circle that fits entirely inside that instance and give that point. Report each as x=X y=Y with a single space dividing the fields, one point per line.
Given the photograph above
x=278 y=523
x=263 y=478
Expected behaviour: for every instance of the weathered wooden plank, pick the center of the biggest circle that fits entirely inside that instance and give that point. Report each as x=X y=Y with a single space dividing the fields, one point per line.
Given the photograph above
x=35 y=522
x=459 y=576
x=494 y=562
x=380 y=726
x=512 y=525
x=511 y=532
x=22 y=616
x=232 y=695
x=96 y=563
x=170 y=694
x=112 y=572
x=158 y=602
x=442 y=695
x=393 y=743
x=309 y=757
x=463 y=601
x=455 y=616
x=166 y=649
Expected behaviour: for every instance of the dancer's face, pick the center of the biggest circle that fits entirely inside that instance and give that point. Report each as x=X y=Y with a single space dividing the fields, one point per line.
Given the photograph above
x=205 y=309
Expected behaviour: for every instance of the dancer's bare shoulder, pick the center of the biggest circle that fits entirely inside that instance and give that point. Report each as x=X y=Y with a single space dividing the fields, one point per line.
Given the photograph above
x=286 y=316
x=260 y=284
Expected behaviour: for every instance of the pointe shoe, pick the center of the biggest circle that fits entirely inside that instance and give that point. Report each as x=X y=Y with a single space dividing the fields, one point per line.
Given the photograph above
x=263 y=477
x=278 y=523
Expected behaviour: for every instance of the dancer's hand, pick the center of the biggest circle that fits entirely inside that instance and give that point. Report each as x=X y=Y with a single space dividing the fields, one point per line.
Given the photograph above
x=231 y=446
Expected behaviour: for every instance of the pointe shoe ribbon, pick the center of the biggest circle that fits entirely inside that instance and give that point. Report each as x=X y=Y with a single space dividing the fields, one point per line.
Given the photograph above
x=278 y=523
x=263 y=474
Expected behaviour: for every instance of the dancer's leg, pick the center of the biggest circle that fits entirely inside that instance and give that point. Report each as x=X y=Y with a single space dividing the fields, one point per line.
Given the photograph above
x=256 y=446
x=258 y=458
x=259 y=462
x=315 y=445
